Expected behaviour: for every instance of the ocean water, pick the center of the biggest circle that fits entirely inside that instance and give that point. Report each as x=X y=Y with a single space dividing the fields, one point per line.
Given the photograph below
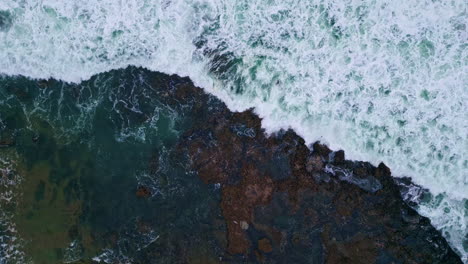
x=383 y=80
x=68 y=185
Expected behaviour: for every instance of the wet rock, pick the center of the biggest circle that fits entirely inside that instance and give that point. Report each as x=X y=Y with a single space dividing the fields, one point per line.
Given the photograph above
x=154 y=163
x=314 y=163
x=5 y=143
x=368 y=183
x=264 y=245
x=238 y=202
x=143 y=192
x=43 y=84
x=339 y=156
x=412 y=193
x=299 y=204
x=35 y=138
x=7 y=138
x=321 y=149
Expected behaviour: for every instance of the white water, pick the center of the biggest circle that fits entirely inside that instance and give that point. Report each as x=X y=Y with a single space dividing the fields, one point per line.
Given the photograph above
x=11 y=245
x=383 y=80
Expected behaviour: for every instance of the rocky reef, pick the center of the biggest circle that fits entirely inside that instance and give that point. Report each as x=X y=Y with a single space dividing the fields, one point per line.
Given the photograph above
x=285 y=202
x=199 y=184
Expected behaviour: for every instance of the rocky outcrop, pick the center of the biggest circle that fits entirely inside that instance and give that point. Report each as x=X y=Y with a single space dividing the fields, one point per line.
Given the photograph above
x=285 y=202
x=217 y=190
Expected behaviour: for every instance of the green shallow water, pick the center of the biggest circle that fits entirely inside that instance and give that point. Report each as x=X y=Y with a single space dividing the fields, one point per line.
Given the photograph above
x=78 y=155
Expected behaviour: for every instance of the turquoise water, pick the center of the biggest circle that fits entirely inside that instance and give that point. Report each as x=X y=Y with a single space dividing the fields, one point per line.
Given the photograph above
x=384 y=80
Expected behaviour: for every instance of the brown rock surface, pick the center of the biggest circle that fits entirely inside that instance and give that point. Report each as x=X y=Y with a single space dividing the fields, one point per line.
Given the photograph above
x=264 y=245
x=143 y=192
x=311 y=203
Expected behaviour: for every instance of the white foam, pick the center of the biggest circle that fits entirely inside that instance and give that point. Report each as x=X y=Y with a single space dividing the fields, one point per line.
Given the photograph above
x=11 y=245
x=386 y=81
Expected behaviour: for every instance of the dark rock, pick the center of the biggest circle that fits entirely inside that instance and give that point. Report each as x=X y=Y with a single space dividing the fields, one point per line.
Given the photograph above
x=314 y=163
x=5 y=143
x=154 y=163
x=143 y=192
x=7 y=138
x=264 y=245
x=35 y=138
x=339 y=156
x=298 y=204
x=321 y=149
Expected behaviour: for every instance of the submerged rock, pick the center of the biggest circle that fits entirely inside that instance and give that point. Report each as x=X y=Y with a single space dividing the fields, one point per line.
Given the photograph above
x=143 y=191
x=264 y=245
x=7 y=138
